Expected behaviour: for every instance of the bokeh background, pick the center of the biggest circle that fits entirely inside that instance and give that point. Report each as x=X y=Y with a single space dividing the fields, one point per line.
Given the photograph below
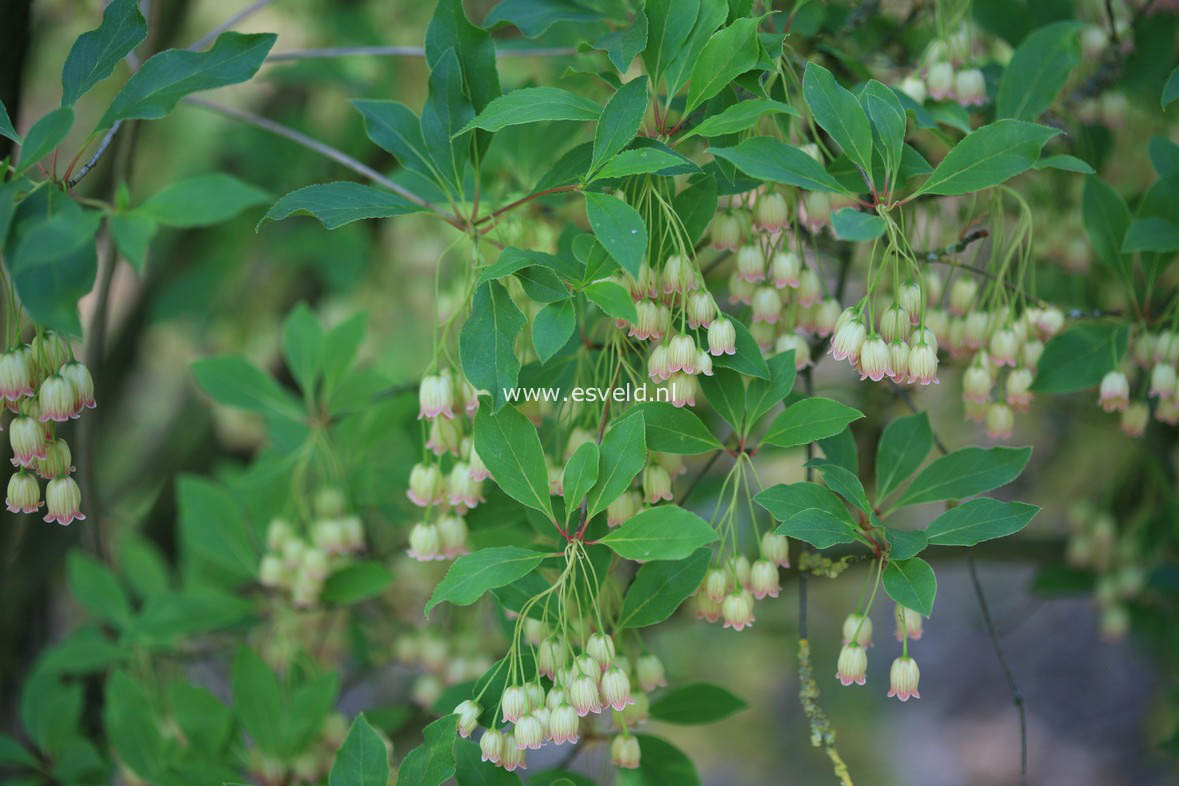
x=1101 y=711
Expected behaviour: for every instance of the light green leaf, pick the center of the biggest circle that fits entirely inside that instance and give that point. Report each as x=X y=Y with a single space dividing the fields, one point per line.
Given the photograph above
x=739 y=117
x=1079 y=357
x=843 y=482
x=619 y=121
x=533 y=105
x=133 y=232
x=487 y=342
x=473 y=574
x=903 y=447
x=697 y=703
x=619 y=228
x=339 y=203
x=509 y=446
x=580 y=475
x=839 y=113
x=432 y=762
x=966 y=472
x=729 y=53
x=1038 y=70
x=665 y=532
x=669 y=24
x=202 y=200
x=638 y=161
x=95 y=587
x=1065 y=163
x=978 y=520
x=766 y=158
x=613 y=299
x=212 y=527
x=95 y=54
x=808 y=420
x=911 y=583
x=234 y=381
x=45 y=135
x=257 y=699
x=672 y=429
x=165 y=78
x=987 y=157
x=356 y=582
x=303 y=346
x=659 y=588
x=856 y=225
x=786 y=501
x=888 y=121
x=622 y=455
x=363 y=759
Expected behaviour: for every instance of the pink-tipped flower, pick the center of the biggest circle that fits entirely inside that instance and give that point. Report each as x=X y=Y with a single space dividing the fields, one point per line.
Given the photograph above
x=584 y=697
x=1004 y=347
x=564 y=724
x=446 y=436
x=940 y=81
x=622 y=509
x=550 y=656
x=529 y=733
x=58 y=460
x=615 y=688
x=849 y=337
x=452 y=536
x=57 y=399
x=726 y=231
x=681 y=354
x=895 y=324
x=1162 y=381
x=962 y=294
x=722 y=338
x=1114 y=395
x=700 y=310
x=424 y=542
x=875 y=360
x=649 y=670
x=656 y=484
x=970 y=88
x=678 y=275
x=740 y=290
x=910 y=623
x=1134 y=419
x=751 y=264
x=770 y=212
x=857 y=628
x=16 y=375
x=27 y=438
x=763 y=579
x=513 y=756
x=659 y=364
x=738 y=610
x=24 y=493
x=491 y=746
x=703 y=363
x=425 y=485
x=83 y=383
x=767 y=305
x=1000 y=421
x=514 y=703
x=785 y=268
x=776 y=548
x=436 y=397
x=462 y=491
x=923 y=364
x=468 y=717
x=976 y=384
x=903 y=678
x=1050 y=322
x=1018 y=395
x=625 y=752
x=600 y=647
x=914 y=87
x=852 y=665
x=898 y=362
x=62 y=501
x=647 y=324
x=788 y=342
x=825 y=317
x=683 y=388
x=717 y=583
x=707 y=609
x=814 y=210
x=810 y=289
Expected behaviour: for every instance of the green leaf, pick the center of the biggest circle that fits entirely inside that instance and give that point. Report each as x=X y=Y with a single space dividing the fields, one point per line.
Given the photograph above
x=534 y=105
x=339 y=203
x=762 y=395
x=257 y=699
x=165 y=78
x=904 y=544
x=888 y=120
x=1065 y=163
x=1164 y=156
x=623 y=45
x=143 y=566
x=856 y=225
x=6 y=128
x=1170 y=90
x=818 y=527
x=668 y=24
x=978 y=520
x=133 y=232
x=672 y=429
x=95 y=587
x=659 y=588
x=665 y=532
x=45 y=135
x=487 y=342
x=471 y=770
x=362 y=759
x=202 y=200
x=841 y=449
x=725 y=391
x=509 y=446
x=661 y=762
x=966 y=472
x=1038 y=70
x=395 y=128
x=843 y=482
x=542 y=284
x=211 y=524
x=619 y=228
x=449 y=29
x=133 y=727
x=303 y=346
x=839 y=113
x=739 y=117
x=234 y=381
x=987 y=157
x=620 y=121
x=1106 y=219
x=748 y=360
x=13 y=754
x=613 y=299
x=911 y=583
x=808 y=420
x=54 y=265
x=1079 y=357
x=903 y=447
x=445 y=112
x=355 y=582
x=729 y=53
x=432 y=762
x=534 y=19
x=712 y=14
x=1151 y=234
x=84 y=651
x=552 y=328
x=203 y=719
x=473 y=574
x=786 y=501
x=766 y=158
x=694 y=704
x=95 y=54
x=622 y=455
x=638 y=161
x=580 y=475
x=50 y=710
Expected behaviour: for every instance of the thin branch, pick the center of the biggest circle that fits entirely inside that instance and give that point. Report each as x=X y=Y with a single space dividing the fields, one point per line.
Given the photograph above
x=402 y=51
x=325 y=150
x=106 y=142
x=228 y=24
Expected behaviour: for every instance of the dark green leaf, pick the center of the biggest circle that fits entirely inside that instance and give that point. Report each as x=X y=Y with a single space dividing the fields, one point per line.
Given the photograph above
x=133 y=728
x=487 y=342
x=661 y=763
x=552 y=327
x=340 y=203
x=978 y=520
x=1151 y=234
x=1079 y=357
x=839 y=113
x=762 y=395
x=302 y=345
x=785 y=501
x=1171 y=89
x=619 y=228
x=471 y=770
x=911 y=583
x=133 y=233
x=1038 y=70
x=818 y=527
x=739 y=117
x=903 y=446
x=856 y=225
x=621 y=46
x=904 y=544
x=808 y=420
x=580 y=475
x=665 y=532
x=613 y=299
x=695 y=704
x=54 y=265
x=843 y=482
x=396 y=129
x=619 y=121
x=444 y=114
x=534 y=19
x=669 y=23
x=450 y=29
x=622 y=456
x=202 y=200
x=432 y=762
x=44 y=136
x=356 y=582
x=13 y=754
x=659 y=588
x=6 y=128
x=473 y=574
x=509 y=446
x=1065 y=163
x=987 y=157
x=84 y=651
x=966 y=472
x=534 y=105
x=672 y=429
x=212 y=526
x=362 y=759
x=748 y=360
x=95 y=54
x=258 y=700
x=729 y=53
x=766 y=158
x=637 y=161
x=1106 y=219
x=888 y=121
x=95 y=587
x=143 y=566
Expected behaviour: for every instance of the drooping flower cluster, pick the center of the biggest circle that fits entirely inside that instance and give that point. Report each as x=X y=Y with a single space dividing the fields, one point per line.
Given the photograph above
x=43 y=386
x=1152 y=358
x=852 y=666
x=946 y=75
x=1116 y=557
x=729 y=589
x=299 y=562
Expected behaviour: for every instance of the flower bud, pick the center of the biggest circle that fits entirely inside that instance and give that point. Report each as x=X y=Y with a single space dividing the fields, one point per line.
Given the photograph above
x=435 y=397
x=271 y=571
x=647 y=324
x=707 y=609
x=468 y=717
x=738 y=610
x=770 y=212
x=1167 y=411
x=1162 y=381
x=975 y=328
x=703 y=363
x=903 y=678
x=625 y=752
x=940 y=81
x=424 y=542
x=24 y=493
x=1003 y=347
x=681 y=354
x=776 y=548
x=751 y=264
x=767 y=305
x=461 y=490
x=814 y=210
x=615 y=688
x=1018 y=395
x=491 y=746
x=785 y=268
x=1114 y=391
x=83 y=384
x=314 y=565
x=514 y=704
x=788 y=342
x=740 y=290
x=27 y=438
x=656 y=484
x=583 y=696
x=875 y=360
x=1134 y=419
x=1050 y=322
x=650 y=672
x=852 y=665
x=528 y=733
x=700 y=310
x=623 y=508
x=849 y=339
x=810 y=289
x=898 y=362
x=56 y=399
x=550 y=656
x=726 y=231
x=446 y=436
x=512 y=755
x=923 y=364
x=895 y=324
x=638 y=712
x=62 y=501
x=763 y=579
x=564 y=724
x=678 y=275
x=970 y=87
x=600 y=647
x=425 y=485
x=976 y=384
x=717 y=583
x=722 y=338
x=909 y=623
x=914 y=88
x=479 y=471
x=858 y=627
x=1000 y=421
x=58 y=460
x=16 y=375
x=452 y=536
x=1032 y=350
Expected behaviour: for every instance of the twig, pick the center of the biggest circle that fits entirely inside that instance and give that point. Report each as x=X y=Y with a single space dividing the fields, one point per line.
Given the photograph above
x=328 y=151
x=206 y=39
x=402 y=51
x=102 y=146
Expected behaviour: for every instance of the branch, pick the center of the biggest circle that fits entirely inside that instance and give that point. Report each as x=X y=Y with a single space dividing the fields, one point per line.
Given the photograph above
x=403 y=51
x=325 y=150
